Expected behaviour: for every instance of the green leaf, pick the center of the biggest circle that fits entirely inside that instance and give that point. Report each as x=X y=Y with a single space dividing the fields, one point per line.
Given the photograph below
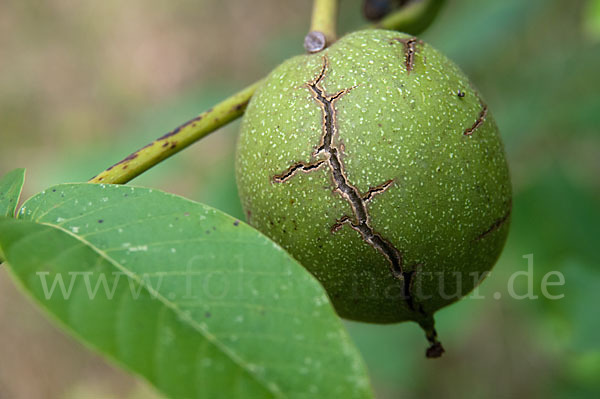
x=11 y=185
x=198 y=303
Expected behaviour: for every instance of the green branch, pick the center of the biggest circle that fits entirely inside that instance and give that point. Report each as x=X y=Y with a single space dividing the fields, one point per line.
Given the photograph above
x=175 y=141
x=414 y=18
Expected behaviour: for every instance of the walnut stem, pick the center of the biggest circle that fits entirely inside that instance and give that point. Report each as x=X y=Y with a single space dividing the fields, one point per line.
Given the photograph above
x=323 y=27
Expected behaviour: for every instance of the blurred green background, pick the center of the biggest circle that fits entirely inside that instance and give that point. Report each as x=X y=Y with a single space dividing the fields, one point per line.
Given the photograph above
x=84 y=83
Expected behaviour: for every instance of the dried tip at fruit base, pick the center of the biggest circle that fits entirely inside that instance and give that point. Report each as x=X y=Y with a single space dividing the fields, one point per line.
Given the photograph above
x=436 y=349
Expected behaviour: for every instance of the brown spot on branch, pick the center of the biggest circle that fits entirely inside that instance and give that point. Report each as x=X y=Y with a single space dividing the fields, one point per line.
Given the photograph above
x=129 y=157
x=183 y=125
x=241 y=106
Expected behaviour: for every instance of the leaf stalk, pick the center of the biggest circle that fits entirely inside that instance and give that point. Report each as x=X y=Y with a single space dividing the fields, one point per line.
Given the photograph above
x=178 y=139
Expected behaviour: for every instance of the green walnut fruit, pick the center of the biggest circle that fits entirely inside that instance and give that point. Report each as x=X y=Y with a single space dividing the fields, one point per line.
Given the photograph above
x=378 y=166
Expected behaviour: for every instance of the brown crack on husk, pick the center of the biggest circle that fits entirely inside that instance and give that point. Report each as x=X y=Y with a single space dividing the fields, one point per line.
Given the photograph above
x=480 y=119
x=498 y=223
x=373 y=191
x=298 y=167
x=329 y=152
x=410 y=50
